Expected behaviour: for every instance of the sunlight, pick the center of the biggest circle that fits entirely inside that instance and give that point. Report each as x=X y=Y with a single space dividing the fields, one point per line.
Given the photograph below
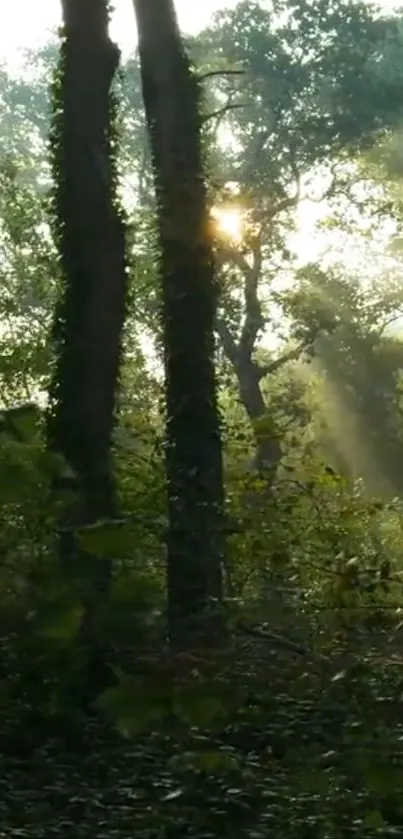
x=29 y=25
x=230 y=222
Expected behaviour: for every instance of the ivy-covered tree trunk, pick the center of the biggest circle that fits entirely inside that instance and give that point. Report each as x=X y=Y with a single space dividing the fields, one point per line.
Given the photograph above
x=194 y=458
x=90 y=316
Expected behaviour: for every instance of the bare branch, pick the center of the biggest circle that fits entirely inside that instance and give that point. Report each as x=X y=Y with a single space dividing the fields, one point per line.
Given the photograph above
x=336 y=187
x=220 y=112
x=211 y=73
x=388 y=322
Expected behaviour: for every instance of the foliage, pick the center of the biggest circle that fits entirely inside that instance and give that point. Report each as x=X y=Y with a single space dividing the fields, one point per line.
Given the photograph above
x=293 y=725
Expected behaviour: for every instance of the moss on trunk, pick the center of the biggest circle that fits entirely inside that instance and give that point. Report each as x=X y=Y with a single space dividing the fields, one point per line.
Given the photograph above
x=171 y=95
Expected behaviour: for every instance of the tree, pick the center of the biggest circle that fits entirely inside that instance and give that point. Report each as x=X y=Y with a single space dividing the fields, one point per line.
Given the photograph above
x=301 y=114
x=359 y=366
x=171 y=95
x=90 y=315
x=29 y=277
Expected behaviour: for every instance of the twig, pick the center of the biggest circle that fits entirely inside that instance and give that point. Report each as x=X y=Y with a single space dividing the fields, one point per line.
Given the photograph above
x=211 y=73
x=221 y=111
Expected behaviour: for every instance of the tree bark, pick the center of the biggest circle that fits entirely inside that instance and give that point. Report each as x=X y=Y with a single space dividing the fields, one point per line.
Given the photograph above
x=268 y=450
x=90 y=315
x=249 y=374
x=189 y=296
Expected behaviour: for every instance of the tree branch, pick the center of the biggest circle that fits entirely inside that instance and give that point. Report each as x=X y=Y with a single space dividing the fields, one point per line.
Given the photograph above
x=225 y=253
x=253 y=310
x=220 y=112
x=388 y=322
x=229 y=344
x=288 y=202
x=336 y=187
x=211 y=73
x=254 y=320
x=291 y=355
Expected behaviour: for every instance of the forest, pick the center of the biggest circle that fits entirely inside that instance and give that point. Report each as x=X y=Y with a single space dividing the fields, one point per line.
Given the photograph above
x=201 y=426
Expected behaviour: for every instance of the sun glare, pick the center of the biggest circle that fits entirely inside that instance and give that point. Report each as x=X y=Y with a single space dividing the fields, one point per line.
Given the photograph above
x=229 y=222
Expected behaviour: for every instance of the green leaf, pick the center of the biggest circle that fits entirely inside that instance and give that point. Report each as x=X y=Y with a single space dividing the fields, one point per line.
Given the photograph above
x=198 y=704
x=107 y=539
x=374 y=820
x=339 y=676
x=55 y=465
x=21 y=423
x=134 y=705
x=173 y=795
x=16 y=482
x=316 y=781
x=214 y=760
x=60 y=622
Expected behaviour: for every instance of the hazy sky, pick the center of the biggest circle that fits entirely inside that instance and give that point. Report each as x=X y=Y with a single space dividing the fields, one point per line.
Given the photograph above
x=27 y=23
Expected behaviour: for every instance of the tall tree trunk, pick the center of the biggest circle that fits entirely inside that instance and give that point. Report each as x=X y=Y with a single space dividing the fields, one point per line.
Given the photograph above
x=194 y=457
x=90 y=316
x=249 y=375
x=268 y=450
